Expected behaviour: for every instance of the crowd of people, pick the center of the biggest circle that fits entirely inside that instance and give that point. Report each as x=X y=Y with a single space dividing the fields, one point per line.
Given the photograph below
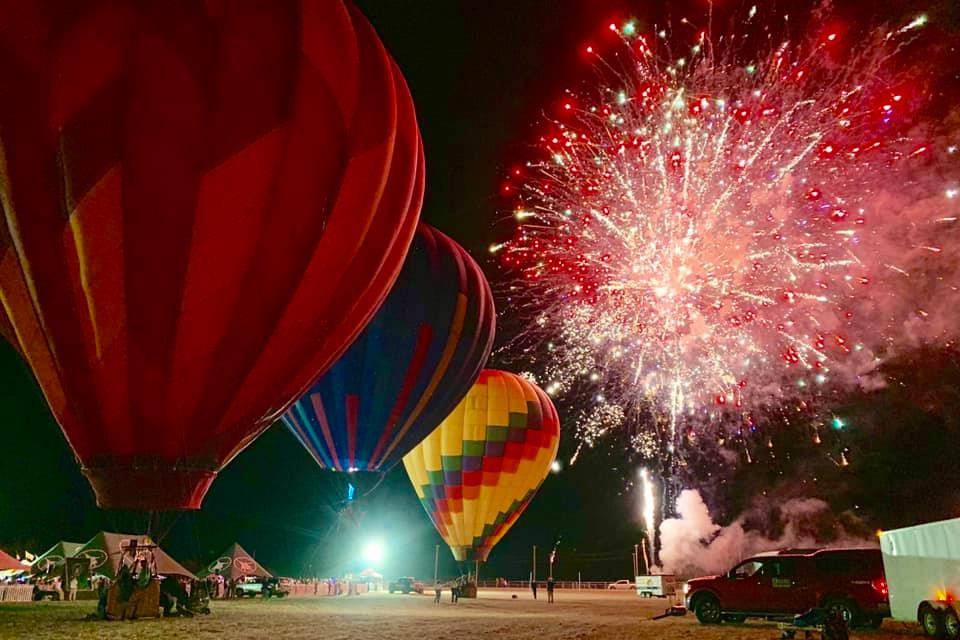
x=54 y=587
x=45 y=587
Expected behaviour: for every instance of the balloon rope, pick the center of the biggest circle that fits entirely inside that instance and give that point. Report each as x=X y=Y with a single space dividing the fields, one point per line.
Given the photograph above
x=383 y=475
x=164 y=532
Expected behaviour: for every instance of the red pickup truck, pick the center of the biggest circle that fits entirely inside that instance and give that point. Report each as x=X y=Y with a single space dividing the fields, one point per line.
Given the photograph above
x=786 y=583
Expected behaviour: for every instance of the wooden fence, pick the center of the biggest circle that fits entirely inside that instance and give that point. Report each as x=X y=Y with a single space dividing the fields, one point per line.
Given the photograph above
x=16 y=593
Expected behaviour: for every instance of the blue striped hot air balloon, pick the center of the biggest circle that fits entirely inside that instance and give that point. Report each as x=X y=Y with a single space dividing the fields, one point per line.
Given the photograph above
x=409 y=368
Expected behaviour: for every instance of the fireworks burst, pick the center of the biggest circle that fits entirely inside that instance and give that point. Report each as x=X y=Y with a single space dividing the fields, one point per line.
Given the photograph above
x=709 y=235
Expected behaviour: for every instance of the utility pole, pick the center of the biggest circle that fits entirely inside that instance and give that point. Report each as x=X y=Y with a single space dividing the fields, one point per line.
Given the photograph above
x=436 y=563
x=636 y=561
x=534 y=574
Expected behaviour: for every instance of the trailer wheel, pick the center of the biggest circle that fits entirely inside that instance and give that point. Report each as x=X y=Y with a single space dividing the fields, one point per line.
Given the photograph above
x=931 y=621
x=951 y=625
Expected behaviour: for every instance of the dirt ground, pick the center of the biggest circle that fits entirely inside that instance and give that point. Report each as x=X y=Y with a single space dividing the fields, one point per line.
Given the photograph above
x=380 y=616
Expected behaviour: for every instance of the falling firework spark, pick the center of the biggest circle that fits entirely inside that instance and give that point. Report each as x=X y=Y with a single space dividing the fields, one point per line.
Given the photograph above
x=705 y=237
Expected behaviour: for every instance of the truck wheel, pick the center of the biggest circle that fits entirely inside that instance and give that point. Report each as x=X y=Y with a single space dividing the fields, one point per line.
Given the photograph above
x=931 y=621
x=951 y=625
x=735 y=619
x=707 y=609
x=845 y=608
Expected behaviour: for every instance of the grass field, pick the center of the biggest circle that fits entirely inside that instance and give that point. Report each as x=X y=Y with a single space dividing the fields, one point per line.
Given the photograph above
x=494 y=614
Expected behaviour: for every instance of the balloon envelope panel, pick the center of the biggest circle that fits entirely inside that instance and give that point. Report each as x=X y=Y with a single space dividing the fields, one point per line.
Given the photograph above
x=204 y=203
x=409 y=368
x=478 y=471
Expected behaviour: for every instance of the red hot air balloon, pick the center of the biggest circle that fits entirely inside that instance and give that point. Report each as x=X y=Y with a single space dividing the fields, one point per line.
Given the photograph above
x=203 y=204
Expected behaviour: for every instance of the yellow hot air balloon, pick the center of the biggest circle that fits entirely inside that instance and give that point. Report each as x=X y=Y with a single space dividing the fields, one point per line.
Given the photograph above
x=478 y=471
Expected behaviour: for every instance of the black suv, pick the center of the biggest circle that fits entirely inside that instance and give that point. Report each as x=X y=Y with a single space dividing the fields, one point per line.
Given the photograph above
x=406 y=585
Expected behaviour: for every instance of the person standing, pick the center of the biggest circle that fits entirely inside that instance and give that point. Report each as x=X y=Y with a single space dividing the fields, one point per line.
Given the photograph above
x=533 y=587
x=103 y=591
x=550 y=589
x=437 y=591
x=145 y=575
x=58 y=587
x=74 y=585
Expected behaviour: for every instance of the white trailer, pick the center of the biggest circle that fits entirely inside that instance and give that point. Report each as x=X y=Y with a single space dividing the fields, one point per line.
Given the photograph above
x=922 y=566
x=659 y=586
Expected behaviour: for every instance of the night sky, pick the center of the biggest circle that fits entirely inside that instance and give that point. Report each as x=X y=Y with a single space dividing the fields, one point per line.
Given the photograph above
x=480 y=73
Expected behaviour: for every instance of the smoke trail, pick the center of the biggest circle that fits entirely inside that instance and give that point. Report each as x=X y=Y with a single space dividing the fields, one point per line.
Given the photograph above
x=693 y=544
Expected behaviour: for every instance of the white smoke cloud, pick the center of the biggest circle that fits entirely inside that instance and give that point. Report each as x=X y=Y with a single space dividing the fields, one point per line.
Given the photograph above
x=693 y=544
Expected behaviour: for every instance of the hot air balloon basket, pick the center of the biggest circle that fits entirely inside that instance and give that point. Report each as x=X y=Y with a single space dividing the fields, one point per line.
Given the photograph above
x=144 y=602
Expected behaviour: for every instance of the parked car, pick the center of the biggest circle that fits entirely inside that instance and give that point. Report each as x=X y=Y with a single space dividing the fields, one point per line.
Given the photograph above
x=252 y=586
x=621 y=585
x=406 y=585
x=249 y=586
x=849 y=582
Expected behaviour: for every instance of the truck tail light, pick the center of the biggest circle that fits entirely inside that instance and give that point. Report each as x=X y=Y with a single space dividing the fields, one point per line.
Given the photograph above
x=880 y=586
